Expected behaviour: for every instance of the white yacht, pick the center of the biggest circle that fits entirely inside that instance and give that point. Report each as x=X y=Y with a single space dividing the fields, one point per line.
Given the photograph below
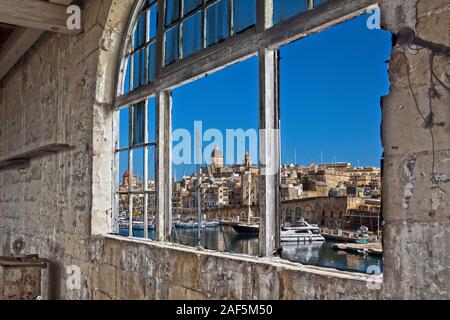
x=302 y=233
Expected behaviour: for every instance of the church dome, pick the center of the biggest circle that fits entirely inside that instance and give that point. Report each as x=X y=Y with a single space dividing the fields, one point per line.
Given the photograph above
x=216 y=152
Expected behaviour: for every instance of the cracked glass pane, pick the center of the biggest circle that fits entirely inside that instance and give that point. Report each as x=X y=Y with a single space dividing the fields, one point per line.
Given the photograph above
x=138 y=169
x=216 y=22
x=126 y=83
x=139 y=68
x=172 y=45
x=151 y=213
x=123 y=171
x=124 y=131
x=151 y=173
x=138 y=123
x=172 y=11
x=151 y=62
x=191 y=5
x=285 y=9
x=139 y=33
x=244 y=14
x=151 y=122
x=153 y=23
x=192 y=35
x=319 y=2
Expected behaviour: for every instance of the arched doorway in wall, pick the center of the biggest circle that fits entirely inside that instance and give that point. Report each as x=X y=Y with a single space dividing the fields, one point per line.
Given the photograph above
x=115 y=20
x=289 y=216
x=298 y=215
x=308 y=214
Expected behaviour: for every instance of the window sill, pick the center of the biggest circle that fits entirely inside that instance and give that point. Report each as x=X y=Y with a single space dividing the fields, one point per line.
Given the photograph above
x=268 y=261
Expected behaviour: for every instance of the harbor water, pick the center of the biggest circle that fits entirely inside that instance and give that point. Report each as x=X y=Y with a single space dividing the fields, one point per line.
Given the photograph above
x=318 y=254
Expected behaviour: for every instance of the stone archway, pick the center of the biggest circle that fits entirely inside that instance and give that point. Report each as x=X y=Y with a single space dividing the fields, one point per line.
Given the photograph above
x=113 y=19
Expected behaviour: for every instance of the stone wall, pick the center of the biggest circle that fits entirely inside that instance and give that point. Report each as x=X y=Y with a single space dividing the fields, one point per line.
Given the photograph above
x=48 y=97
x=417 y=210
x=61 y=91
x=163 y=271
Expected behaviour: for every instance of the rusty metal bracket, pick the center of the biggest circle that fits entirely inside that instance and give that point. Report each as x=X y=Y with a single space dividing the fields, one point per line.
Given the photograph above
x=407 y=36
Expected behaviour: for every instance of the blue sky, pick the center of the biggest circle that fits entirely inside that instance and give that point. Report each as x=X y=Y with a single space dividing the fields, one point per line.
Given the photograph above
x=227 y=99
x=331 y=86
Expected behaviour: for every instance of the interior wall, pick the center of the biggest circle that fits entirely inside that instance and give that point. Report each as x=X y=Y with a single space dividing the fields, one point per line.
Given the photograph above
x=50 y=96
x=61 y=91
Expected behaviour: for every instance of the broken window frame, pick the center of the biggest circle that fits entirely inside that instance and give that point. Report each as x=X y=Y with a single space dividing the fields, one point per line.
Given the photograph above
x=264 y=39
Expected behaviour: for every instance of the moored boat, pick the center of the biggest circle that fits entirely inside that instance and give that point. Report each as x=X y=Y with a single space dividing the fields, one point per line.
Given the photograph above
x=361 y=236
x=211 y=224
x=302 y=233
x=246 y=229
x=186 y=225
x=251 y=227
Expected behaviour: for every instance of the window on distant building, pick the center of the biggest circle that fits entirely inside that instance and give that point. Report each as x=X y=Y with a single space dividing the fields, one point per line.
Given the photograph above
x=298 y=215
x=289 y=216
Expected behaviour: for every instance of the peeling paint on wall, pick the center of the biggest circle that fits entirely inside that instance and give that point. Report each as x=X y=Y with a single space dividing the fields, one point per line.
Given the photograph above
x=73 y=278
x=408 y=190
x=439 y=179
x=437 y=200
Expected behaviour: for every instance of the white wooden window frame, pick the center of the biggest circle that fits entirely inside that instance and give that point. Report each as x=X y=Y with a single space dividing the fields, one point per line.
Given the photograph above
x=264 y=39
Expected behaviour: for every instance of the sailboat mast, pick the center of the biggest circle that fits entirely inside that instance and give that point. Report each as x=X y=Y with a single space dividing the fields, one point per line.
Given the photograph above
x=199 y=204
x=249 y=198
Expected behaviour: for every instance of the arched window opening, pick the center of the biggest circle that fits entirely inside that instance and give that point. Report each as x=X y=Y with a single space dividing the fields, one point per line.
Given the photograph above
x=171 y=43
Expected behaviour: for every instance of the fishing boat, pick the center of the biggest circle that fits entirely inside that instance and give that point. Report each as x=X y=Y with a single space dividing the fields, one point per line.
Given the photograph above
x=302 y=233
x=361 y=236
